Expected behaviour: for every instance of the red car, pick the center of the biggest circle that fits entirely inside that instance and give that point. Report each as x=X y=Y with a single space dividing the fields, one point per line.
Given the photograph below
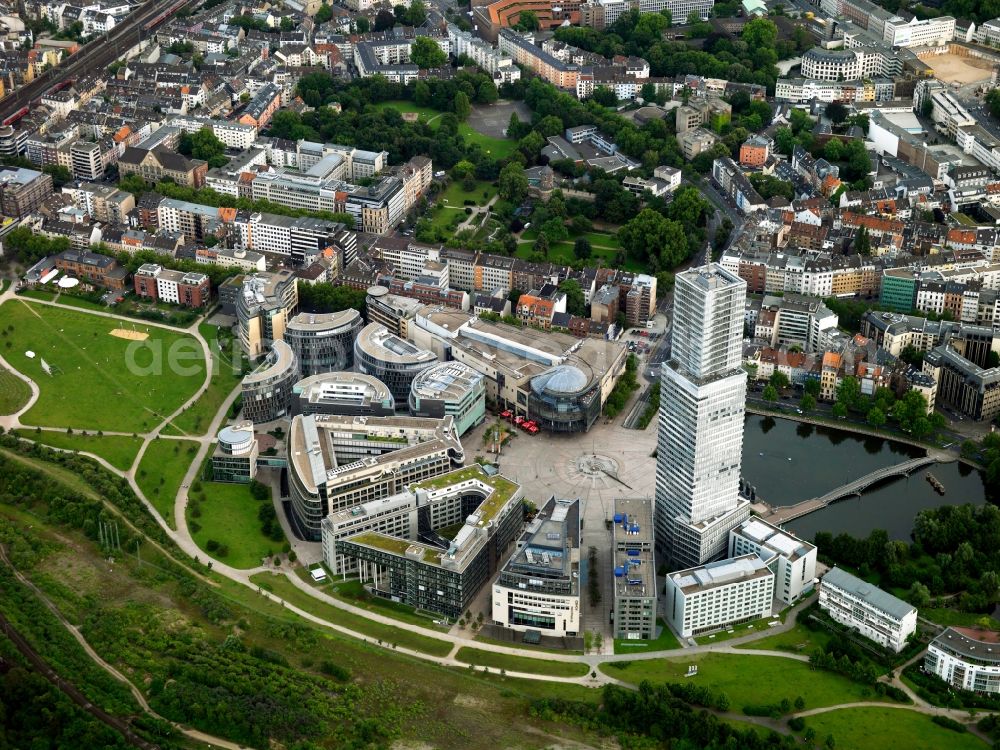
x=533 y=430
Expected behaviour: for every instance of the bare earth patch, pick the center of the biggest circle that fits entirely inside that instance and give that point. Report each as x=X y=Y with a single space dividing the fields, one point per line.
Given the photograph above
x=125 y=333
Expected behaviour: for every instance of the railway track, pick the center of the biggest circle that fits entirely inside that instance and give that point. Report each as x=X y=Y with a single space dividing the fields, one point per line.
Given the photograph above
x=69 y=689
x=93 y=56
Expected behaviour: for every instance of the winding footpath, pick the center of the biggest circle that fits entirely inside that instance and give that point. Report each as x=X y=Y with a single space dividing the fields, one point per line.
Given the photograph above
x=181 y=536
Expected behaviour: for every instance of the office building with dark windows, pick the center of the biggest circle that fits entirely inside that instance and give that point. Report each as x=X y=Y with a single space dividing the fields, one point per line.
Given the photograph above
x=346 y=393
x=337 y=462
x=324 y=342
x=437 y=574
x=450 y=388
x=396 y=362
x=634 y=569
x=539 y=586
x=264 y=304
x=267 y=391
x=235 y=456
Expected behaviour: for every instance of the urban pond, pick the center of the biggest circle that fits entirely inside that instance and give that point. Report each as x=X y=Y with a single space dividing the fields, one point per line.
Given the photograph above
x=787 y=461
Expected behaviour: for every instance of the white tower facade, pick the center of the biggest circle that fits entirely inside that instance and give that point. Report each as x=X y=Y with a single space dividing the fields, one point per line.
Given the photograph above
x=702 y=404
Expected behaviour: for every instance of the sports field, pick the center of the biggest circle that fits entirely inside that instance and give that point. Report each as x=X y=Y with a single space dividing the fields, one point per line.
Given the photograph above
x=954 y=69
x=99 y=381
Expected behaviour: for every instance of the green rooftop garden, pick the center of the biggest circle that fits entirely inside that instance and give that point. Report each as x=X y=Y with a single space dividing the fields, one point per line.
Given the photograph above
x=503 y=488
x=383 y=438
x=381 y=541
x=453 y=477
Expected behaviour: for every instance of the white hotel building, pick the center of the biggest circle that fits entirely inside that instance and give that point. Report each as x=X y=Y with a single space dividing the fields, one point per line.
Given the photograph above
x=792 y=561
x=715 y=596
x=874 y=613
x=959 y=658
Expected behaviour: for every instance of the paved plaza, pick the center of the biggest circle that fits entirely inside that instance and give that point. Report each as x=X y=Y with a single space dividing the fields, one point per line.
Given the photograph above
x=598 y=466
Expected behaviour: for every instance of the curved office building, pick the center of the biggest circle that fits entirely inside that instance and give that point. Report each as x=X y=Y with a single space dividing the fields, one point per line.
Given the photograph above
x=394 y=361
x=347 y=393
x=450 y=388
x=565 y=399
x=337 y=462
x=267 y=391
x=235 y=456
x=324 y=342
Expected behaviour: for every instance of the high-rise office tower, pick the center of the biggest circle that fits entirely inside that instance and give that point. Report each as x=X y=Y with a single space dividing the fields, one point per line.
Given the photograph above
x=702 y=401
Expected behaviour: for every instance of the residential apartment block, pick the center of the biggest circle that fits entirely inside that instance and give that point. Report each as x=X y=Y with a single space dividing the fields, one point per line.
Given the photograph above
x=966 y=659
x=159 y=284
x=875 y=614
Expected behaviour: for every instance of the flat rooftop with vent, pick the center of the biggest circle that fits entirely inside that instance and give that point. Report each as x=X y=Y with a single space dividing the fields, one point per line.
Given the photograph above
x=792 y=560
x=634 y=569
x=538 y=589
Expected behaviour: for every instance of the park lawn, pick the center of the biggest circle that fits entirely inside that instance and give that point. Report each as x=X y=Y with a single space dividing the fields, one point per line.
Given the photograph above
x=226 y=376
x=480 y=638
x=43 y=294
x=888 y=728
x=747 y=680
x=746 y=628
x=161 y=472
x=14 y=392
x=100 y=381
x=229 y=516
x=443 y=216
x=498 y=148
x=455 y=196
x=513 y=663
x=278 y=585
x=118 y=450
x=603 y=239
x=664 y=642
x=798 y=640
x=353 y=592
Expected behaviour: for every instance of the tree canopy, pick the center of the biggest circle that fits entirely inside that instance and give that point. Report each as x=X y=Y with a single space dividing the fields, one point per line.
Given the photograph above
x=426 y=53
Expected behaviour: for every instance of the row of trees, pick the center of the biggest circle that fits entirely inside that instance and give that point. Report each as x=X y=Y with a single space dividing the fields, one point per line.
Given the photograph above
x=751 y=58
x=955 y=550
x=653 y=716
x=908 y=411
